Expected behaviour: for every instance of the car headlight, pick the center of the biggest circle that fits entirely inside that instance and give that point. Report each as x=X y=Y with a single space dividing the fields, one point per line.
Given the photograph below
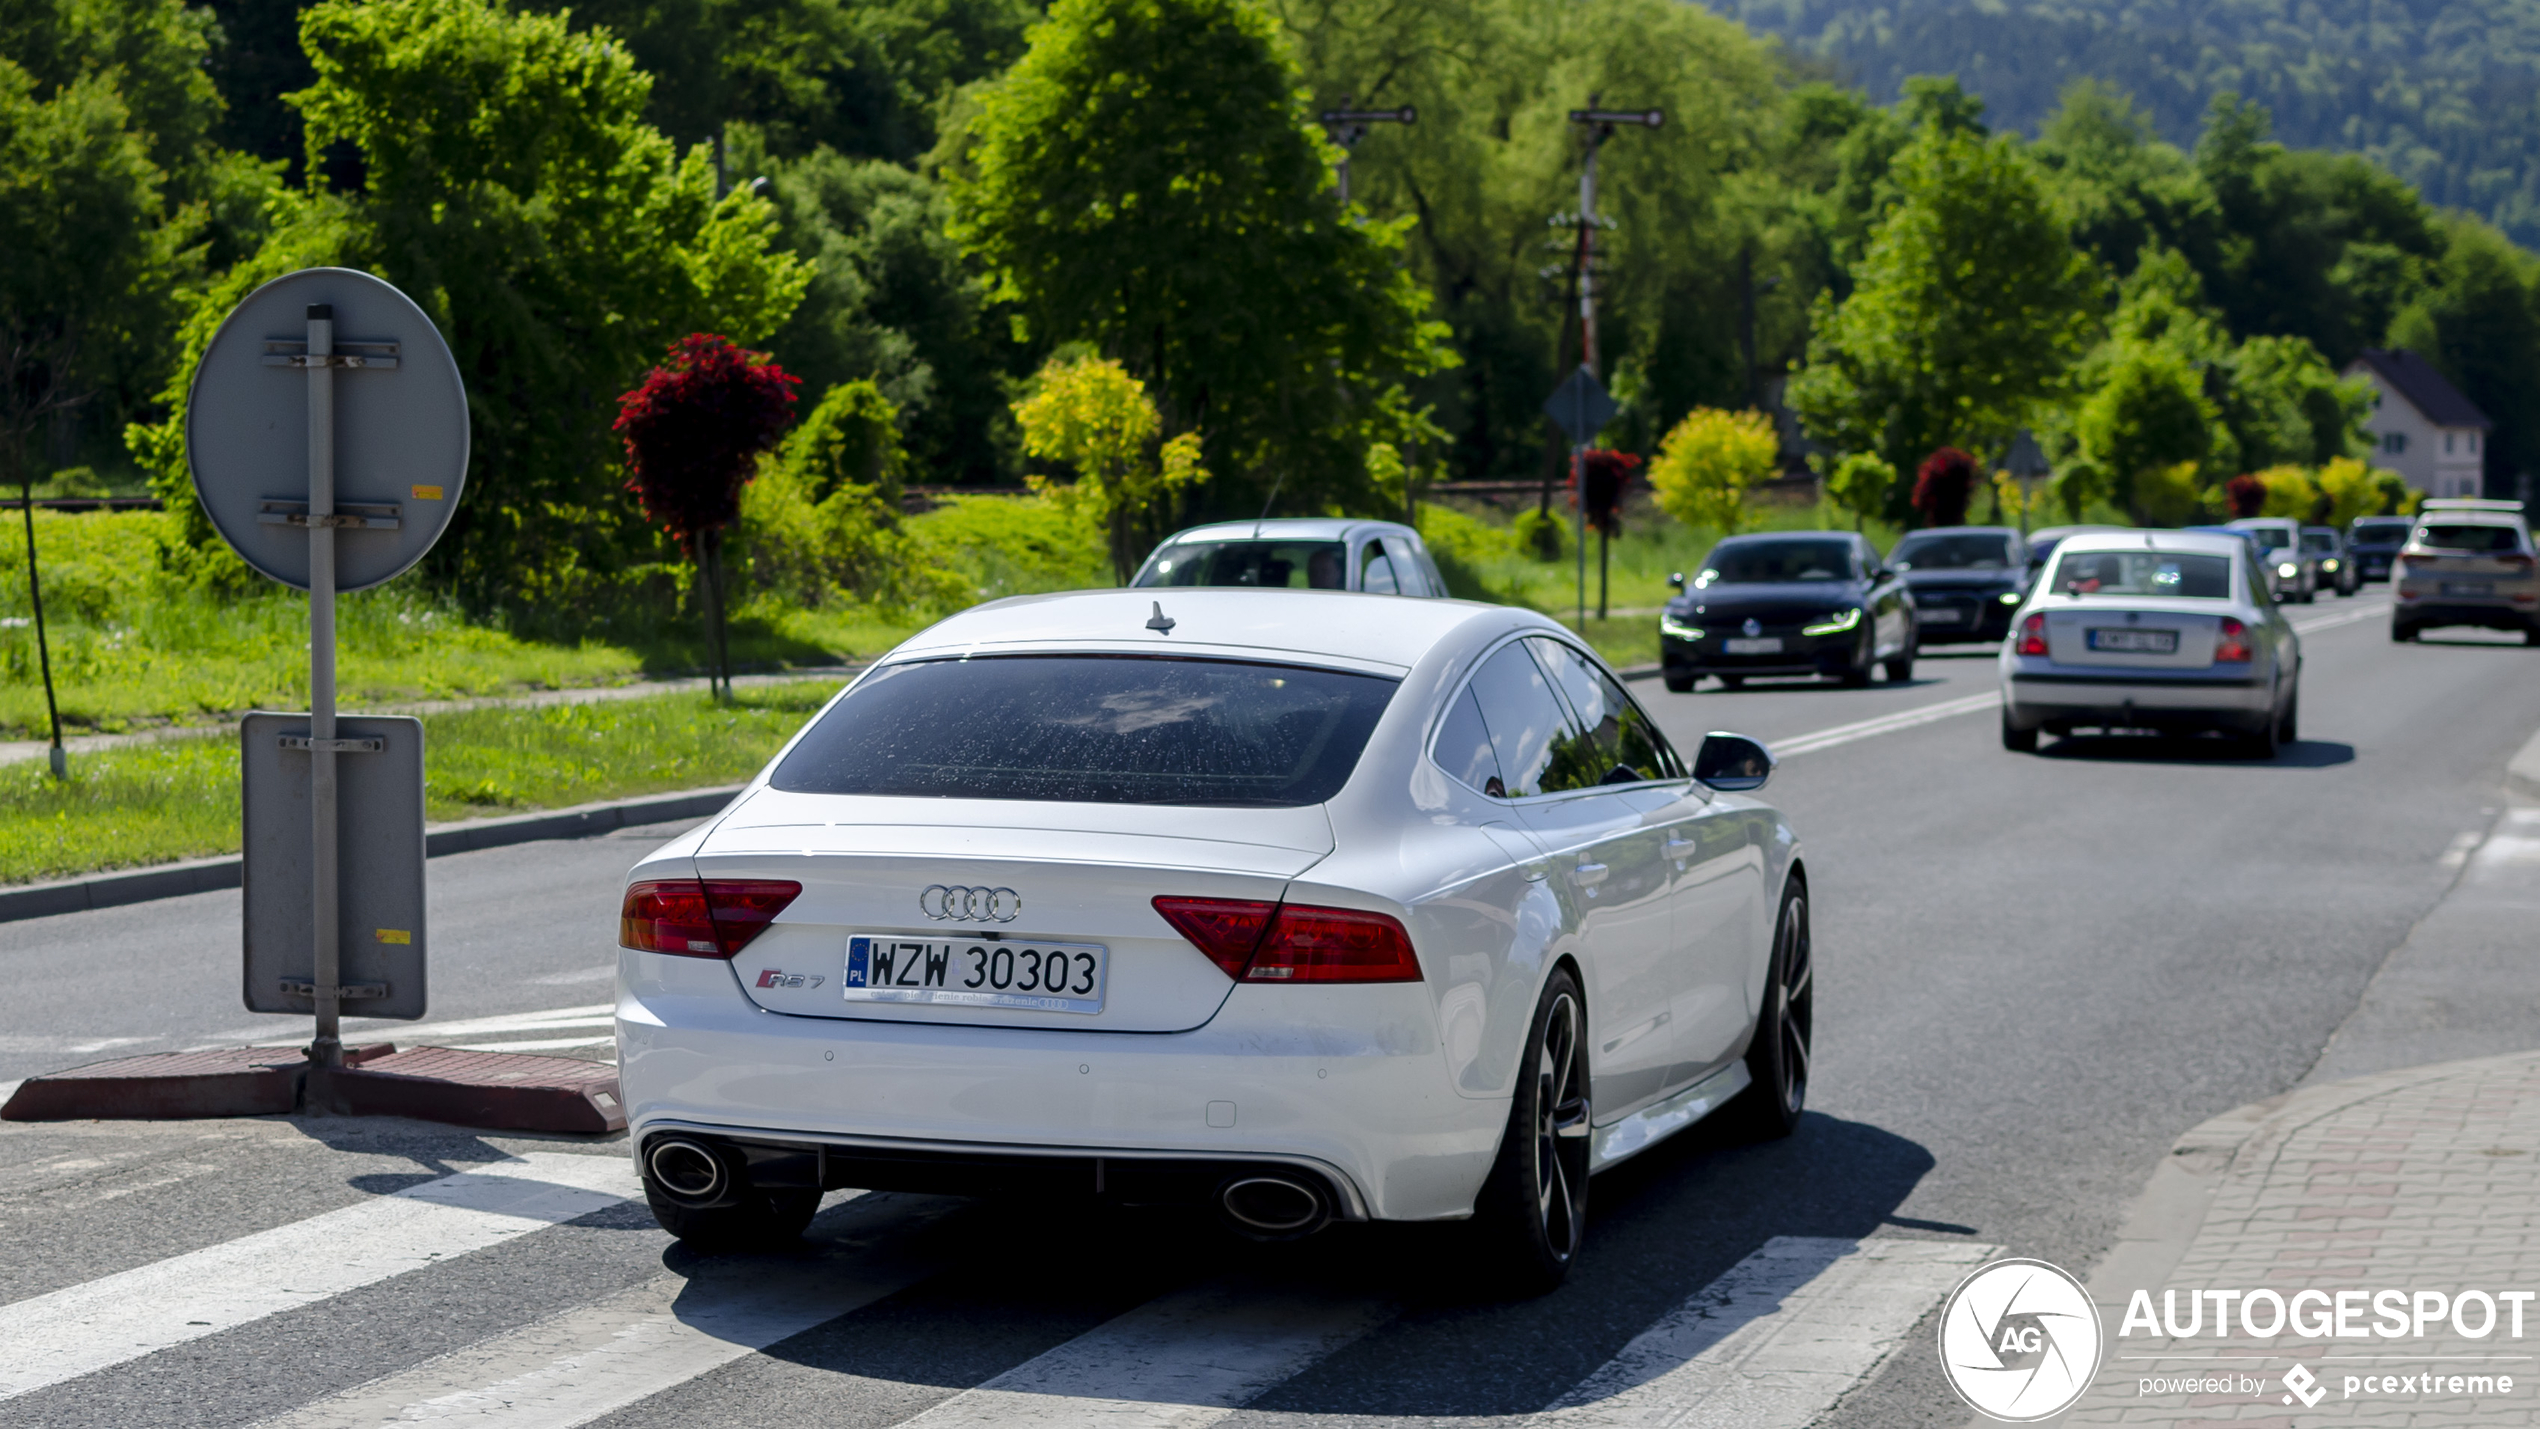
x=2009 y=597
x=1834 y=624
x=2288 y=570
x=1669 y=625
x=2329 y=565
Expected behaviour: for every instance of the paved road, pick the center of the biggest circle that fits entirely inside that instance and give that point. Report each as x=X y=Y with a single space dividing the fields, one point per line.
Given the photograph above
x=2035 y=972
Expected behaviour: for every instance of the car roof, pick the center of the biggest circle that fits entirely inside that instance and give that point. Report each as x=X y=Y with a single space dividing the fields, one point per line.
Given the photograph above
x=2172 y=542
x=2455 y=517
x=1288 y=528
x=1343 y=628
x=2252 y=523
x=1960 y=531
x=1749 y=538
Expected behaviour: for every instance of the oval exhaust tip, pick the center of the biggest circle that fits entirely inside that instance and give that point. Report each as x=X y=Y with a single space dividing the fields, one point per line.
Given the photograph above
x=1273 y=1207
x=687 y=1170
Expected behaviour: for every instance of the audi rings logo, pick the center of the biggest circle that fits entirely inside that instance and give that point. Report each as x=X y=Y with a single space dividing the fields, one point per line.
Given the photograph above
x=2019 y=1340
x=952 y=903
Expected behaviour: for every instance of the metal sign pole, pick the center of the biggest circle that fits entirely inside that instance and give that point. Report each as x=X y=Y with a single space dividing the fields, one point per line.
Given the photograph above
x=1578 y=488
x=327 y=1049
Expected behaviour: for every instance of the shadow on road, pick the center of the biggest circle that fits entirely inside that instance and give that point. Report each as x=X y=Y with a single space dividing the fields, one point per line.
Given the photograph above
x=2194 y=749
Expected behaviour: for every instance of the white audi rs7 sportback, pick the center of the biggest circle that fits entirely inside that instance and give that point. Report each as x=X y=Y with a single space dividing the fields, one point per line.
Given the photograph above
x=1299 y=905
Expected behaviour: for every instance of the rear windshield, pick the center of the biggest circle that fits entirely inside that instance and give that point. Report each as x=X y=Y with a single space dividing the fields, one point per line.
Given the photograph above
x=2381 y=530
x=2325 y=541
x=1303 y=565
x=1104 y=729
x=2462 y=536
x=1958 y=552
x=2273 y=538
x=2143 y=573
x=1768 y=562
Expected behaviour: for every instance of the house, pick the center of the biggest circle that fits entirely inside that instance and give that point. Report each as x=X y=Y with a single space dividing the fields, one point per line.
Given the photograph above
x=2421 y=426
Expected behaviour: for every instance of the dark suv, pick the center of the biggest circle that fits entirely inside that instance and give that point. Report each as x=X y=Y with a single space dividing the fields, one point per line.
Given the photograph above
x=2373 y=542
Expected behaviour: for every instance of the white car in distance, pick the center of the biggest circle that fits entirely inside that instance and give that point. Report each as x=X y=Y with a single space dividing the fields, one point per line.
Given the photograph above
x=1300 y=905
x=2163 y=630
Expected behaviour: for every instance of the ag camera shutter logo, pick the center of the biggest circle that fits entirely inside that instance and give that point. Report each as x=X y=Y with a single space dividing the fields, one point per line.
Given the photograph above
x=2019 y=1340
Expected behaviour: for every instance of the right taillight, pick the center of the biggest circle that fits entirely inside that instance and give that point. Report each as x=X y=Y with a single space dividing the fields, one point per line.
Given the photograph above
x=2033 y=634
x=2231 y=642
x=700 y=917
x=1269 y=942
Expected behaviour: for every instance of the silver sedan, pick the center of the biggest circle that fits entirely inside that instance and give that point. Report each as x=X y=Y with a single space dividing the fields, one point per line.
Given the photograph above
x=2162 y=630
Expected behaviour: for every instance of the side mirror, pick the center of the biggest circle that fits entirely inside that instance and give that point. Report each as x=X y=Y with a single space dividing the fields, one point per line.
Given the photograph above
x=1732 y=763
x=1676 y=581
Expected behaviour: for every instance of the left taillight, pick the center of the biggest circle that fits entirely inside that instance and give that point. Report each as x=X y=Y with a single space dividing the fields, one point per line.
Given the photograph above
x=2033 y=635
x=1293 y=942
x=700 y=917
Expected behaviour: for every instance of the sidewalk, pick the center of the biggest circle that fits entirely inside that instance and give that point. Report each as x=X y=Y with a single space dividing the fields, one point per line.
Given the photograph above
x=2408 y=1161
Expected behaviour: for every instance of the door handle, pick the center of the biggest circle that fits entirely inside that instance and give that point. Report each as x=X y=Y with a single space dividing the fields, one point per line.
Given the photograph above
x=1681 y=848
x=1589 y=873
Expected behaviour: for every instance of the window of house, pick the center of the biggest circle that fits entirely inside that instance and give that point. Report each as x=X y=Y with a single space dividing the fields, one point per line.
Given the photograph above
x=2447 y=444
x=2394 y=441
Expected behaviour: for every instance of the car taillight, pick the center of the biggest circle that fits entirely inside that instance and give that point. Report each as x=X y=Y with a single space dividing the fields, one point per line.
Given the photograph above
x=2033 y=635
x=700 y=917
x=1270 y=942
x=2518 y=564
x=2231 y=643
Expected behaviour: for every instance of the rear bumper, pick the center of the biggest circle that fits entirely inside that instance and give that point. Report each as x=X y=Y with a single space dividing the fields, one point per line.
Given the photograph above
x=2051 y=700
x=1983 y=620
x=1274 y=1079
x=2497 y=614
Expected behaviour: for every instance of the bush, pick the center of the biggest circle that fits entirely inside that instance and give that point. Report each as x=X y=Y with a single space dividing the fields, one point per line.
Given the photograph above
x=821 y=525
x=1706 y=464
x=1542 y=534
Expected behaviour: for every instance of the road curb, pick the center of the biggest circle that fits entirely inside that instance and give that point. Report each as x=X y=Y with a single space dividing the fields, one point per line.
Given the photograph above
x=2162 y=1222
x=2522 y=772
x=204 y=875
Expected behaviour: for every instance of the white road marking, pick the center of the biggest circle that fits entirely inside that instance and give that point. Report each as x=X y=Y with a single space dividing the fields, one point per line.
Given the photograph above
x=1180 y=1361
x=2459 y=852
x=577 y=1366
x=102 y=1323
x=9 y=1089
x=2352 y=616
x=1773 y=1343
x=1885 y=724
x=553 y=1019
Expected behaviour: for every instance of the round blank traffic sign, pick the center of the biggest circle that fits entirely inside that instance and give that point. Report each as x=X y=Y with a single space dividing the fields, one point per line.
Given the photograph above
x=400 y=431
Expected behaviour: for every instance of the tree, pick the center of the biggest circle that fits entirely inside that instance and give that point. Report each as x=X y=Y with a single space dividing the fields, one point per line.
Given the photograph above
x=1968 y=311
x=1092 y=415
x=1146 y=179
x=1701 y=473
x=2150 y=414
x=1859 y=484
x=1944 y=485
x=822 y=519
x=511 y=187
x=2247 y=495
x=694 y=432
x=82 y=224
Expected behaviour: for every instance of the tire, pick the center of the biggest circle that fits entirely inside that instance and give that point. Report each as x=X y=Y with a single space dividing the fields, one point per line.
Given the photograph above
x=2402 y=633
x=2531 y=635
x=1679 y=684
x=759 y=1220
x=2288 y=728
x=2016 y=739
x=1901 y=669
x=1732 y=682
x=1777 y=1058
x=1531 y=1216
x=2266 y=741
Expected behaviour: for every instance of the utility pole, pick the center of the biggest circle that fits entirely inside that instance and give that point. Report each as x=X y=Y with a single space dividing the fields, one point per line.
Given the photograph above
x=1600 y=125
x=1347 y=126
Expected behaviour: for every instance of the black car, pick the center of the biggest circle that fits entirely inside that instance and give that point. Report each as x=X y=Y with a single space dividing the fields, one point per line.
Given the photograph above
x=1964 y=580
x=1789 y=603
x=2373 y=542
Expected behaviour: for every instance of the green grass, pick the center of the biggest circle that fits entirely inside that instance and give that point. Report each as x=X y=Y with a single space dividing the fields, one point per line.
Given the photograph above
x=178 y=798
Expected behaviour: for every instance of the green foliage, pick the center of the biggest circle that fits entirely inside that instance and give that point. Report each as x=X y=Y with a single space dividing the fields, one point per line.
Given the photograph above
x=514 y=191
x=1968 y=311
x=1860 y=484
x=1542 y=534
x=821 y=528
x=1146 y=179
x=1091 y=415
x=1016 y=545
x=2148 y=415
x=1700 y=476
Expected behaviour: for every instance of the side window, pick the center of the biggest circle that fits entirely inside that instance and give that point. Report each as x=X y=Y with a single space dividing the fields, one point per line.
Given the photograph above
x=1464 y=749
x=1406 y=567
x=1525 y=720
x=1375 y=574
x=1612 y=732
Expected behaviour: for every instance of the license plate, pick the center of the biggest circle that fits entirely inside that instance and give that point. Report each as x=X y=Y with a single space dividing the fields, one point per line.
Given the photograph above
x=2468 y=588
x=1767 y=645
x=964 y=972
x=2135 y=642
x=1941 y=615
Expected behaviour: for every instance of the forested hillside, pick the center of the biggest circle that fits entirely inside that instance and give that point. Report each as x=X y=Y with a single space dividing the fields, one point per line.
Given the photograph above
x=2443 y=93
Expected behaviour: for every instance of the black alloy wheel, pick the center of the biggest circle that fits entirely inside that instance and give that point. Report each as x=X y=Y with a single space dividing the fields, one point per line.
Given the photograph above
x=1533 y=1209
x=1777 y=1059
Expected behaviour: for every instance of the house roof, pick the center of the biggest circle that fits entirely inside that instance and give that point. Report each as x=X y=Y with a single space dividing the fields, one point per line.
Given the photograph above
x=2427 y=390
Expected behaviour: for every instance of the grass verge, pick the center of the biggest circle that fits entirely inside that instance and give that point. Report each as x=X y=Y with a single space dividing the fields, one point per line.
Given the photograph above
x=155 y=803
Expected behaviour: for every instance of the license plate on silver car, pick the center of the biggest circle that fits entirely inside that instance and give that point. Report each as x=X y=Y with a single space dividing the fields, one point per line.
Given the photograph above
x=963 y=972
x=2135 y=642
x=1765 y=645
